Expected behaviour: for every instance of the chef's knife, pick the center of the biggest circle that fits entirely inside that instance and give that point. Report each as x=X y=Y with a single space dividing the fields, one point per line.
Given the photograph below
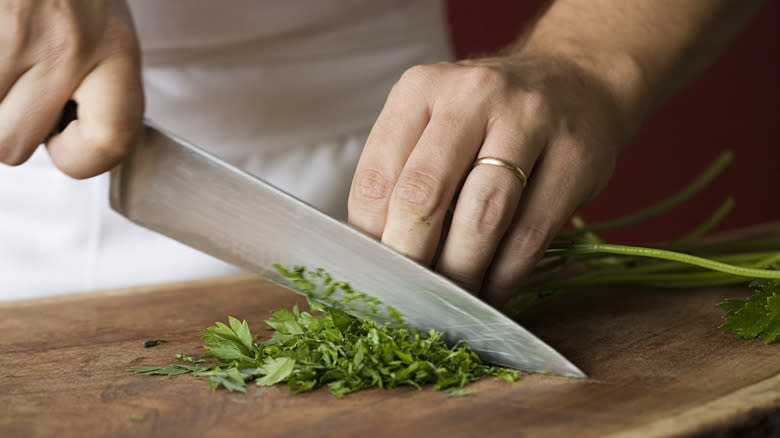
x=175 y=188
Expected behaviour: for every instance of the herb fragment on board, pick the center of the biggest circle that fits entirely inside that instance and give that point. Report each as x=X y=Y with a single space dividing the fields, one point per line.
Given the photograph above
x=185 y=358
x=153 y=343
x=757 y=315
x=333 y=349
x=170 y=370
x=461 y=392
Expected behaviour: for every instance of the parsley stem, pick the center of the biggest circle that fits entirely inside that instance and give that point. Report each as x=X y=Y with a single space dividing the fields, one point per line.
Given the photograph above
x=753 y=260
x=604 y=248
x=660 y=274
x=711 y=222
x=663 y=280
x=579 y=223
x=663 y=274
x=748 y=244
x=683 y=195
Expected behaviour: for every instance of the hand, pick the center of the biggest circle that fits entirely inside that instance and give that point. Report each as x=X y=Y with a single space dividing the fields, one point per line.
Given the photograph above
x=547 y=115
x=55 y=50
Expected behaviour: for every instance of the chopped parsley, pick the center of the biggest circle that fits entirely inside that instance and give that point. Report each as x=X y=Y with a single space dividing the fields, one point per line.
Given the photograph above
x=332 y=349
x=320 y=286
x=153 y=343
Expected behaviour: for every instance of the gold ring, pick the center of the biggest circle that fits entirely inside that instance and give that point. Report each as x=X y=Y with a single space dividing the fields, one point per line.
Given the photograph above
x=493 y=161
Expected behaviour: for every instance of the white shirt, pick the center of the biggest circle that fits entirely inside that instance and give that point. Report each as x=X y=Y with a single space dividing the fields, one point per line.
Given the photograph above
x=282 y=89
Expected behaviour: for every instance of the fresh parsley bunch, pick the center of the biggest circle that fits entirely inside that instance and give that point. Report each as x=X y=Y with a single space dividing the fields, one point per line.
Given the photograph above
x=579 y=258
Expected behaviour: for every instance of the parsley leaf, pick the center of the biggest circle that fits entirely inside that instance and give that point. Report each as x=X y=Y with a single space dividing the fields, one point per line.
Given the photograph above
x=229 y=377
x=276 y=370
x=756 y=316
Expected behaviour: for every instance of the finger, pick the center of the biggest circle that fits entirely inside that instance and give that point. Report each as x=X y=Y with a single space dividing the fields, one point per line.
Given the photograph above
x=427 y=184
x=487 y=202
x=14 y=38
x=551 y=197
x=111 y=105
x=387 y=148
x=9 y=75
x=29 y=111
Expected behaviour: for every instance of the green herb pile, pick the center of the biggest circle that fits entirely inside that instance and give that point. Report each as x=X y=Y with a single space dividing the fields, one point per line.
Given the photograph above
x=579 y=258
x=334 y=349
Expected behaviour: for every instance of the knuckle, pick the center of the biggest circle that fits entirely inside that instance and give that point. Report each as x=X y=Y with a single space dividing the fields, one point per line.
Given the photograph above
x=14 y=34
x=481 y=78
x=418 y=191
x=527 y=245
x=490 y=211
x=121 y=36
x=536 y=105
x=72 y=38
x=413 y=80
x=66 y=42
x=371 y=186
x=416 y=74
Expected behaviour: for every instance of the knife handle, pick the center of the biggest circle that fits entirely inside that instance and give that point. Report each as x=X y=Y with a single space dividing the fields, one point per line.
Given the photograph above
x=69 y=113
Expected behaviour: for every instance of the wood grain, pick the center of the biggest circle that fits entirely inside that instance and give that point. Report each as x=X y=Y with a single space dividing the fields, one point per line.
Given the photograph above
x=658 y=366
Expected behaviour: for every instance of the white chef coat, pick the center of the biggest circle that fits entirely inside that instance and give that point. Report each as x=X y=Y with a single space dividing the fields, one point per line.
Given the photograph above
x=286 y=90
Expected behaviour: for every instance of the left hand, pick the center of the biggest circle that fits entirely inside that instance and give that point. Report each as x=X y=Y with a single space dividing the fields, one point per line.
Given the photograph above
x=556 y=121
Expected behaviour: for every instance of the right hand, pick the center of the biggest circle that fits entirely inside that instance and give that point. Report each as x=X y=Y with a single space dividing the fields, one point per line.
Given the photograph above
x=52 y=51
x=545 y=113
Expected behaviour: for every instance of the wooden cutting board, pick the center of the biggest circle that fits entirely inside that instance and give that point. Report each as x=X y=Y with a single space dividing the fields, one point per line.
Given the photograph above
x=657 y=363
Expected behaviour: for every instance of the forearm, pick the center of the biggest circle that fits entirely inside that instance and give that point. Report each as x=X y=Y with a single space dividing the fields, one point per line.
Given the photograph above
x=644 y=50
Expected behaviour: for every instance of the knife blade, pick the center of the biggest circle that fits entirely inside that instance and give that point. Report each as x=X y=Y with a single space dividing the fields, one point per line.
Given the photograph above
x=175 y=188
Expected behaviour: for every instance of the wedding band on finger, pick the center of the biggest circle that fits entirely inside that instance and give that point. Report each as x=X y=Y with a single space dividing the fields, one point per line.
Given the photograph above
x=495 y=161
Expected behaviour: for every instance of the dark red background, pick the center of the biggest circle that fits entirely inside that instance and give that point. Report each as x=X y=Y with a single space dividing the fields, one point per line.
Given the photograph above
x=734 y=105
